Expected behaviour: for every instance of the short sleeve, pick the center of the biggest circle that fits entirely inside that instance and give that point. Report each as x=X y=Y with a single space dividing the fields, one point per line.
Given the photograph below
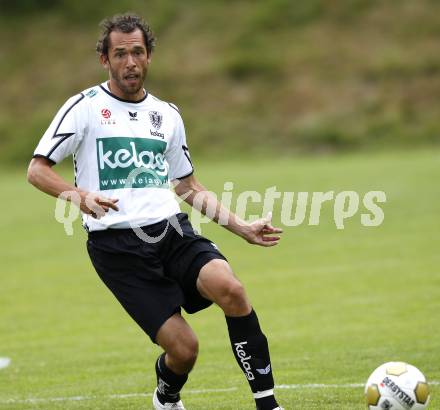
x=177 y=154
x=65 y=132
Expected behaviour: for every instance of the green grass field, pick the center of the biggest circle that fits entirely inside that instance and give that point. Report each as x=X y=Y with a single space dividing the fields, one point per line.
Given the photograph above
x=334 y=303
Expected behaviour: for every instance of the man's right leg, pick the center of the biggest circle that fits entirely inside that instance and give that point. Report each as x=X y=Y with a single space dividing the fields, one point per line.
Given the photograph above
x=180 y=344
x=135 y=275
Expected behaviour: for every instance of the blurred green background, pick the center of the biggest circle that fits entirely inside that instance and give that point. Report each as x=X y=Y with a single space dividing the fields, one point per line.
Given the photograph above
x=287 y=84
x=272 y=76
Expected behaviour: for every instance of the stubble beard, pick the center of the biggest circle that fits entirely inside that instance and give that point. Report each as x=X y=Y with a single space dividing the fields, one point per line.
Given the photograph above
x=127 y=90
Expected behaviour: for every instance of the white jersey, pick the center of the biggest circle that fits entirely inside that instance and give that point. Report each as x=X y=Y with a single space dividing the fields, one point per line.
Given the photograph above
x=126 y=150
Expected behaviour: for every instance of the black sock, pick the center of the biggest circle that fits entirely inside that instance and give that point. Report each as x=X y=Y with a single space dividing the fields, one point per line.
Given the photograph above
x=169 y=383
x=251 y=351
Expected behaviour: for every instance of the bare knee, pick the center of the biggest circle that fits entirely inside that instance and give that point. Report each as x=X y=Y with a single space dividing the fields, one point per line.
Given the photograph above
x=217 y=282
x=184 y=353
x=232 y=299
x=233 y=294
x=180 y=344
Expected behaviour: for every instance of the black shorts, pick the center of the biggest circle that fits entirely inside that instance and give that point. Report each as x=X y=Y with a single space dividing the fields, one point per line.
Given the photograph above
x=153 y=280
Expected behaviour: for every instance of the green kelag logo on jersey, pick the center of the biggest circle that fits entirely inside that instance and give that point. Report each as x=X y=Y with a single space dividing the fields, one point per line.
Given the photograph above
x=118 y=156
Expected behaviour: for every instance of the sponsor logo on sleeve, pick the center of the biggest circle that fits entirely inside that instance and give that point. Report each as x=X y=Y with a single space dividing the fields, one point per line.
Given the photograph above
x=92 y=93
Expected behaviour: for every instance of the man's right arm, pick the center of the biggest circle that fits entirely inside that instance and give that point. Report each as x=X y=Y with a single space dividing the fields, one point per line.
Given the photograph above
x=42 y=176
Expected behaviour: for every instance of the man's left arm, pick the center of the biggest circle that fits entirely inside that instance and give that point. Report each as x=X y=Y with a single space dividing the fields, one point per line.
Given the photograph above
x=260 y=232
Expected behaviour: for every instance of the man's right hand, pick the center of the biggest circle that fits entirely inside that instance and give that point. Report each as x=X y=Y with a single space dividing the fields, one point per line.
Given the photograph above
x=41 y=175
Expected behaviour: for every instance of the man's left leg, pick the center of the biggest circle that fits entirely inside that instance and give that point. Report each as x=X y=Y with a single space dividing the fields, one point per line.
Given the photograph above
x=217 y=283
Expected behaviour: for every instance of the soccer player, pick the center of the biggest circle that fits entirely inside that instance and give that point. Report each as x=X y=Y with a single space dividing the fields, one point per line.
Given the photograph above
x=128 y=147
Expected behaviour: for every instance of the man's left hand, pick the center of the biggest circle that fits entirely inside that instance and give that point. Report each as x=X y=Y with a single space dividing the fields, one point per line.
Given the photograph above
x=261 y=232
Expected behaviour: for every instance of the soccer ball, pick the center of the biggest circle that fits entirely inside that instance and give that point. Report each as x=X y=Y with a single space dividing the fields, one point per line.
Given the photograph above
x=397 y=386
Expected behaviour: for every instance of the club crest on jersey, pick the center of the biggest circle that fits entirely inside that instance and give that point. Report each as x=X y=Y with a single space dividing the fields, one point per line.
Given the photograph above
x=155 y=119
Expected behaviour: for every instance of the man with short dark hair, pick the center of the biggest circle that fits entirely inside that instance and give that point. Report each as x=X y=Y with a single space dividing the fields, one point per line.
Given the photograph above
x=128 y=146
